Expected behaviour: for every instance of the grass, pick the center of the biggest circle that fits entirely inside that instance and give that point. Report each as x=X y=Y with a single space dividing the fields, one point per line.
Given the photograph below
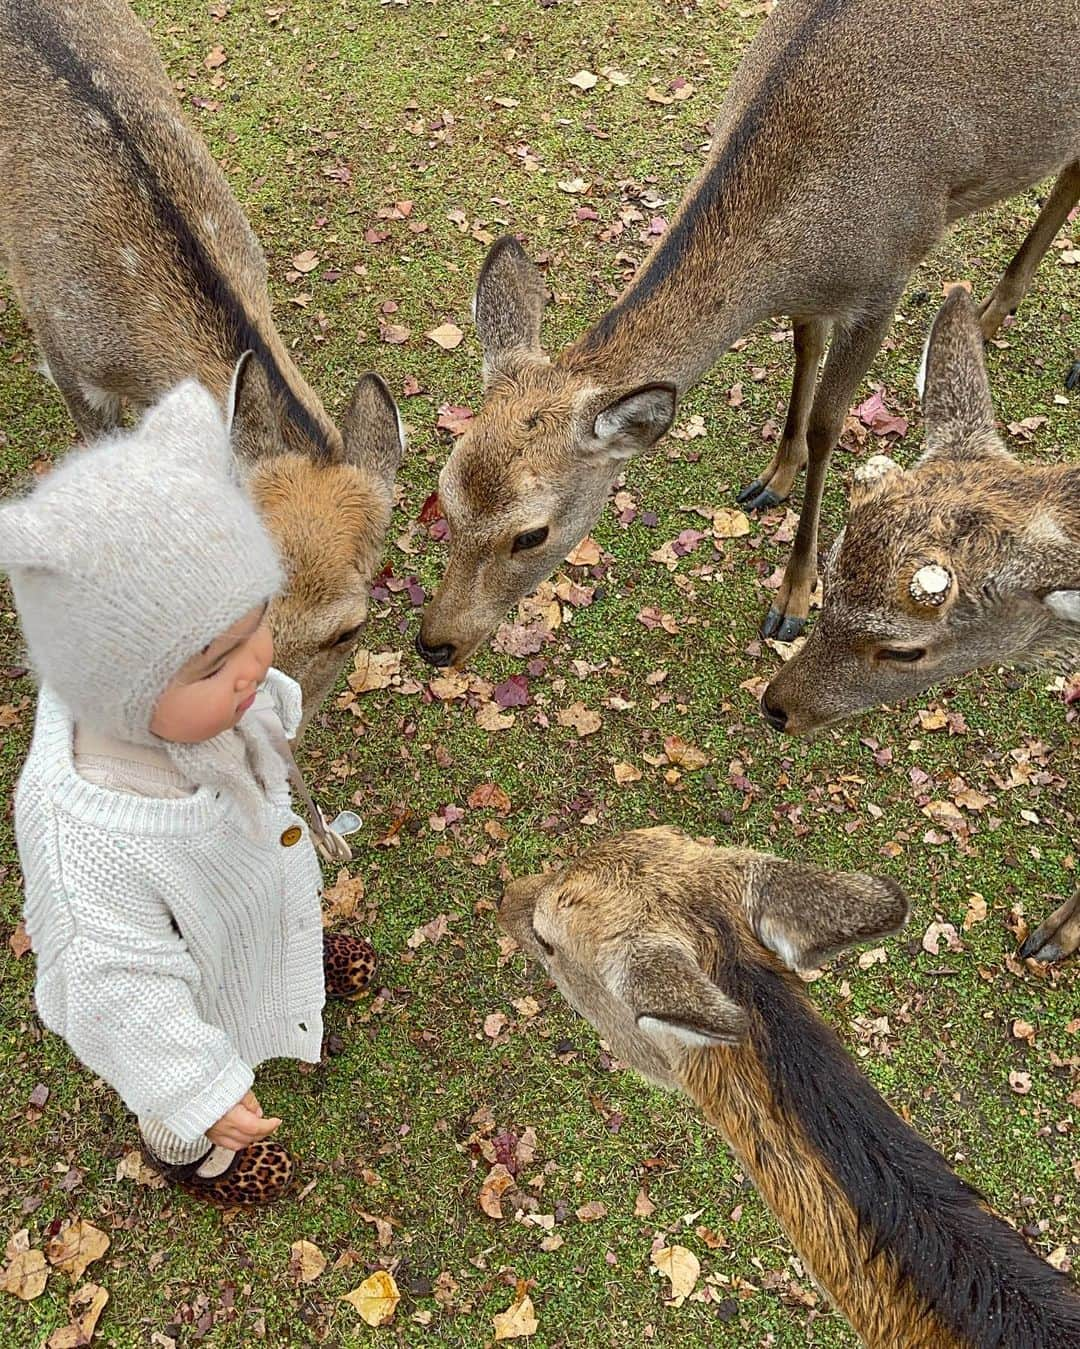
x=394 y=1126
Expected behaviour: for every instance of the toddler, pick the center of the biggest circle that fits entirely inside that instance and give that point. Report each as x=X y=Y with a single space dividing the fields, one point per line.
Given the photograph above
x=172 y=893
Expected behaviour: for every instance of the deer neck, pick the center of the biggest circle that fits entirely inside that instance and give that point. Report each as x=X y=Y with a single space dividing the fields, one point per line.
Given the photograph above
x=904 y=1247
x=701 y=287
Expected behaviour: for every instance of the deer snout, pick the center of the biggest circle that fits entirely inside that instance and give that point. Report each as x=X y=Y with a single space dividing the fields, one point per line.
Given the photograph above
x=775 y=715
x=439 y=656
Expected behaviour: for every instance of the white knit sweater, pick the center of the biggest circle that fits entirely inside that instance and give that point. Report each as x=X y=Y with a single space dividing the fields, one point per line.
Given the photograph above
x=174 y=953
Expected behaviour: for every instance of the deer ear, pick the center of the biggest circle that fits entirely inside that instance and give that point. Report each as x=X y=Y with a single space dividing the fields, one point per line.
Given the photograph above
x=254 y=431
x=957 y=406
x=672 y=998
x=372 y=429
x=631 y=423
x=509 y=301
x=804 y=913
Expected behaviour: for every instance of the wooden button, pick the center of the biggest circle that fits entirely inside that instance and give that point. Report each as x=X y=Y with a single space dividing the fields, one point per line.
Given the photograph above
x=291 y=835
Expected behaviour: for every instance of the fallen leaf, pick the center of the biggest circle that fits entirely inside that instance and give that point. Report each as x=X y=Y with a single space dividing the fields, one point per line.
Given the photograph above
x=75 y=1246
x=643 y=1205
x=215 y=57
x=1020 y=1083
x=584 y=79
x=306 y=261
x=86 y=1305
x=626 y=772
x=306 y=1261
x=586 y=554
x=446 y=335
x=26 y=1275
x=133 y=1166
x=376 y=1299
x=574 y=186
x=681 y=1266
x=489 y=718
x=583 y=719
x=494 y=1024
x=683 y=754
x=495 y=1184
x=931 y=941
x=729 y=524
x=976 y=912
x=19 y=942
x=591 y=1212
x=373 y=670
x=518 y=1322
x=489 y=794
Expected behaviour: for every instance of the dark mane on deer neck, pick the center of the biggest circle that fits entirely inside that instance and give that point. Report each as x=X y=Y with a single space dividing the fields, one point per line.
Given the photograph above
x=972 y=1271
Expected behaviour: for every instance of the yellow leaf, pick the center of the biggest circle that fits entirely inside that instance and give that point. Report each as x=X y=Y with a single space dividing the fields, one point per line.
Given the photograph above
x=446 y=335
x=26 y=1275
x=75 y=1246
x=376 y=1299
x=86 y=1305
x=306 y=1261
x=728 y=523
x=681 y=1266
x=517 y=1322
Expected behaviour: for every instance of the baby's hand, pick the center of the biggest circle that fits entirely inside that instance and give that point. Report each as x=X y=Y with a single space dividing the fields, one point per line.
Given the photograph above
x=241 y=1125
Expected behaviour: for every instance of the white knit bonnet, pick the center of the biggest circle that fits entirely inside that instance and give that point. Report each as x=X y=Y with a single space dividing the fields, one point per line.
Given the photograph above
x=131 y=557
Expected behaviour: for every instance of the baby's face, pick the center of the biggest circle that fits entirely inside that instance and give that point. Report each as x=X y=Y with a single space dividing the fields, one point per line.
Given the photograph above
x=216 y=687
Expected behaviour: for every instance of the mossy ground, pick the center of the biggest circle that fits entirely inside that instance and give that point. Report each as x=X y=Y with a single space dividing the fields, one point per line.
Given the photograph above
x=322 y=114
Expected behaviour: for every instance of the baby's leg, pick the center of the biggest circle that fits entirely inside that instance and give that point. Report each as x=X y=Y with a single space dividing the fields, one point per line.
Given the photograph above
x=164 y=1146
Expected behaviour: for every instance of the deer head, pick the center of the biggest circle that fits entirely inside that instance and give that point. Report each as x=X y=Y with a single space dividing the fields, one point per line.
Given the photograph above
x=645 y=935
x=936 y=572
x=533 y=470
x=328 y=517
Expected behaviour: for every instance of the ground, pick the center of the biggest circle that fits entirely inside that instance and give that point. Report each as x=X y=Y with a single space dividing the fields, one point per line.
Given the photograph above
x=330 y=118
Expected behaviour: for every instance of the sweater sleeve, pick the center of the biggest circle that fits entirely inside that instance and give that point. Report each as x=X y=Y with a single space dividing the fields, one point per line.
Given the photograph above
x=129 y=1014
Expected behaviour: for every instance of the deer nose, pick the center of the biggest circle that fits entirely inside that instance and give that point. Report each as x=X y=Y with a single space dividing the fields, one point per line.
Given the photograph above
x=775 y=716
x=439 y=656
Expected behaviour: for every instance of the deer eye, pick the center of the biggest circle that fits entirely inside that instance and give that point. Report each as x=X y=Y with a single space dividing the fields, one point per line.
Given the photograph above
x=903 y=655
x=544 y=946
x=532 y=538
x=344 y=638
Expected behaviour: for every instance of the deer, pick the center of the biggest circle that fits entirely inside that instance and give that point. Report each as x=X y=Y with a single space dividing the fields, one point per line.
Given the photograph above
x=684 y=958
x=136 y=268
x=828 y=181
x=970 y=558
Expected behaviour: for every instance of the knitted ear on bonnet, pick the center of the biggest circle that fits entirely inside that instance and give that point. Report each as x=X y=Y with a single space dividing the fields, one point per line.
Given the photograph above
x=131 y=557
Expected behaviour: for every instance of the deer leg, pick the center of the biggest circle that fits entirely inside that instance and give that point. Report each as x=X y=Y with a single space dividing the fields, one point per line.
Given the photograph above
x=1013 y=286
x=849 y=358
x=1058 y=937
x=775 y=484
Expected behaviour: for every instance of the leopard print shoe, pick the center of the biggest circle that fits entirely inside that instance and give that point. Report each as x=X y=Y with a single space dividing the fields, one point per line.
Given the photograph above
x=348 y=965
x=258 y=1174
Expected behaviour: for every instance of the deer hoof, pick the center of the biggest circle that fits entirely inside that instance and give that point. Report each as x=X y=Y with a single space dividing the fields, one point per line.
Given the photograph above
x=1072 y=380
x=755 y=497
x=1058 y=937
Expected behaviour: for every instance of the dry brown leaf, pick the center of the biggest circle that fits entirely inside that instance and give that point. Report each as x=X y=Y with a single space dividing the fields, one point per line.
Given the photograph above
x=518 y=1322
x=215 y=57
x=1020 y=1083
x=976 y=911
x=373 y=670
x=683 y=754
x=26 y=1275
x=376 y=1299
x=496 y=1183
x=85 y=1304
x=728 y=523
x=306 y=1261
x=75 y=1246
x=446 y=335
x=643 y=1205
x=583 y=719
x=681 y=1266
x=342 y=899
x=584 y=79
x=19 y=941
x=586 y=554
x=626 y=772
x=306 y=261
x=488 y=794
x=489 y=718
x=446 y=687
x=133 y=1166
x=931 y=941
x=591 y=1212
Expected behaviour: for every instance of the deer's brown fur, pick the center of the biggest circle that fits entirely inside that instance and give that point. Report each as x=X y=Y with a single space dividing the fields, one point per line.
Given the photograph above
x=853 y=134
x=136 y=268
x=681 y=956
